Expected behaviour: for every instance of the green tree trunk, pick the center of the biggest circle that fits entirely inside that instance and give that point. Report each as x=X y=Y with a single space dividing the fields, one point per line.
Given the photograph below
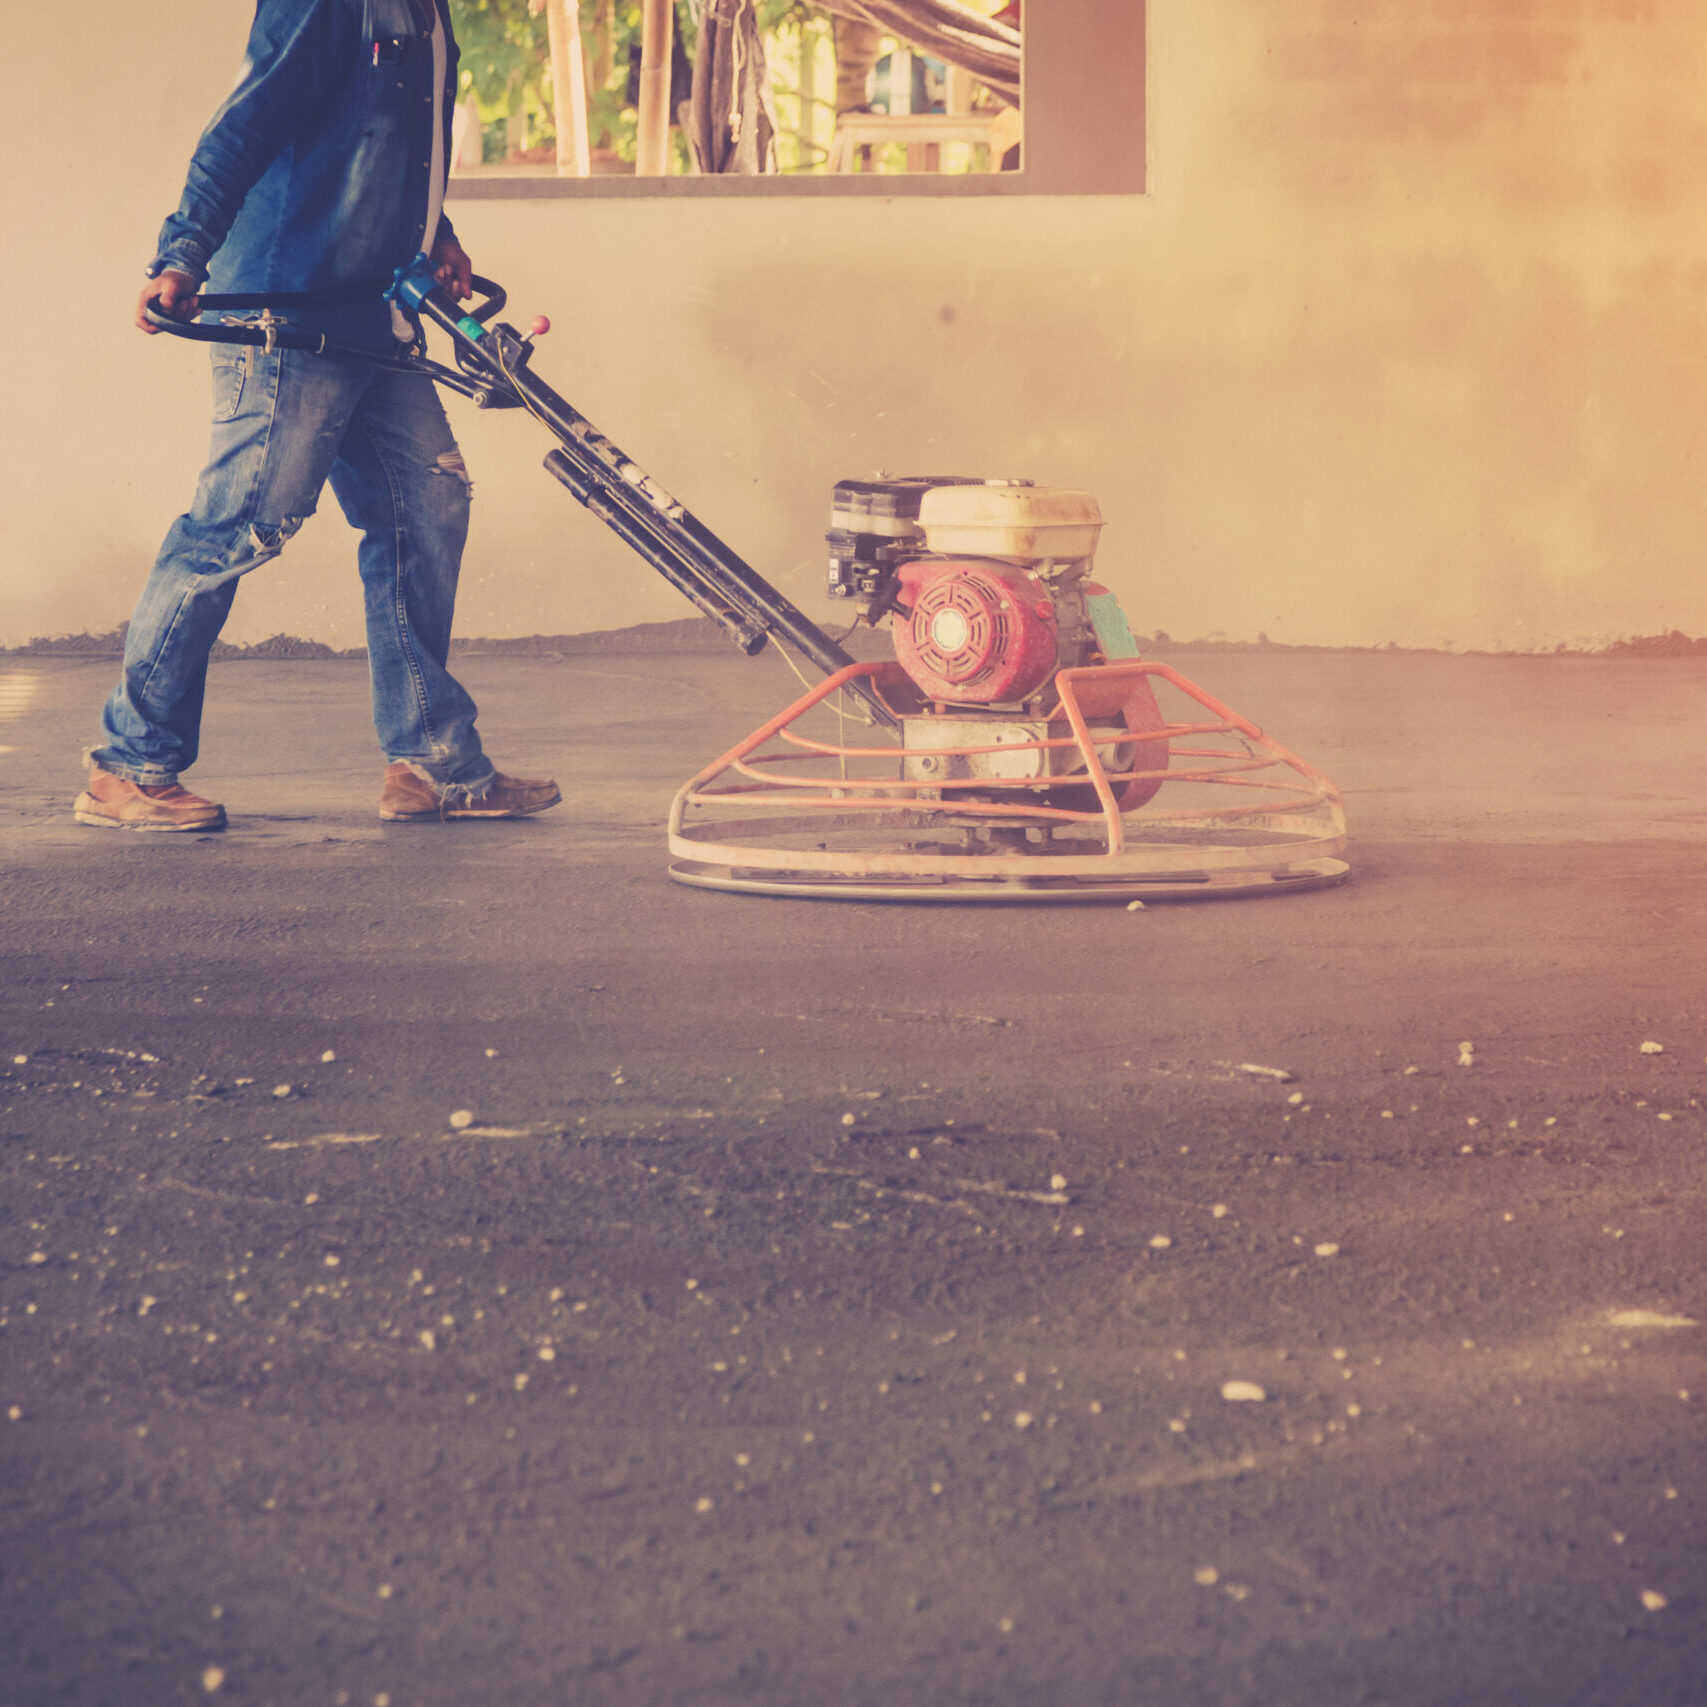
x=857 y=49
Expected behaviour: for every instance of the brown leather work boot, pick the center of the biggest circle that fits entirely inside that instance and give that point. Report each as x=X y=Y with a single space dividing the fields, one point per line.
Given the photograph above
x=407 y=795
x=116 y=803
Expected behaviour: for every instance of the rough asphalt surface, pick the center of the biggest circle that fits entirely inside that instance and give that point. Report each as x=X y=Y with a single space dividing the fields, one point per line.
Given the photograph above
x=830 y=1303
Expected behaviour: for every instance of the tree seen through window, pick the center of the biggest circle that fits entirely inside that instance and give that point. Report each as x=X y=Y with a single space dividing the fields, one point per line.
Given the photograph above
x=737 y=87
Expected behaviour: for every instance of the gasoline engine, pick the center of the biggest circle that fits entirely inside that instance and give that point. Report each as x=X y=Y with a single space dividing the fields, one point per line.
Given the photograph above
x=986 y=586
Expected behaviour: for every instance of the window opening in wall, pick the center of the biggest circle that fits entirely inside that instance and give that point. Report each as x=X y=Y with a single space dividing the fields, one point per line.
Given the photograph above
x=737 y=88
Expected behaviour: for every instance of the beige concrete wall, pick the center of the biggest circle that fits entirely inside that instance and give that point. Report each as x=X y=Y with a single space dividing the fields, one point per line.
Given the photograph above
x=1406 y=343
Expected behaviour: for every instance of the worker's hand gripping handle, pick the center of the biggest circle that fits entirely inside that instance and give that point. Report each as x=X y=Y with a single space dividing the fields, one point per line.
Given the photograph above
x=419 y=292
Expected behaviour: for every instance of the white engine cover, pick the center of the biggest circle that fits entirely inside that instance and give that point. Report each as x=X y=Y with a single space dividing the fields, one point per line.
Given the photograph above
x=1021 y=524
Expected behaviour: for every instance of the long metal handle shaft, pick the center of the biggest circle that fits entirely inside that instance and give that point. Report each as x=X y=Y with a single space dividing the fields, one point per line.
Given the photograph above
x=748 y=635
x=668 y=535
x=700 y=550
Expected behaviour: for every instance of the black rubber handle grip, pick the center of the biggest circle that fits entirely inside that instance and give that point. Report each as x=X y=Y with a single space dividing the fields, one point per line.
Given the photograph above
x=494 y=295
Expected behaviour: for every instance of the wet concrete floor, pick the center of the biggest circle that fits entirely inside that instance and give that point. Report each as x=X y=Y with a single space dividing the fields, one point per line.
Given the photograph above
x=834 y=1303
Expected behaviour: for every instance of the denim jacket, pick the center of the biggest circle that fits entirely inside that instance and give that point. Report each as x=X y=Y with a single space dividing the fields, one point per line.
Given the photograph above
x=313 y=174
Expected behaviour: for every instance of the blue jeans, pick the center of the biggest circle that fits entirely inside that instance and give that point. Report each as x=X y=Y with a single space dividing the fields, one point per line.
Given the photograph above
x=282 y=425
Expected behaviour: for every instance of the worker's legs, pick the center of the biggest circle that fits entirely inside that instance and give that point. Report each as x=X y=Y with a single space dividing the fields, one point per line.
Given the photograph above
x=278 y=420
x=400 y=479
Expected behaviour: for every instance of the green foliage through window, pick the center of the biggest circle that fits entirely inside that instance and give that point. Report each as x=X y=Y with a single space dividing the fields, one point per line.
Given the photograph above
x=506 y=72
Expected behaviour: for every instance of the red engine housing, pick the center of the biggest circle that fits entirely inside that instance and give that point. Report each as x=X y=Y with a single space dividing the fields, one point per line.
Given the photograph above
x=980 y=632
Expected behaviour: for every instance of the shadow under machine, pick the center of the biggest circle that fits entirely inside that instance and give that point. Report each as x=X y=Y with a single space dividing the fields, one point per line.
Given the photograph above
x=1016 y=747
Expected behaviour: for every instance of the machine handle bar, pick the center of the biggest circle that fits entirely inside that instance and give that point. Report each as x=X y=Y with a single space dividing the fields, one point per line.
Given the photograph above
x=279 y=335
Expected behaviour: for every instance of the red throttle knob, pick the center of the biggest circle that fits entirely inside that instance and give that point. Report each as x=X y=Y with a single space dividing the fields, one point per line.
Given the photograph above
x=539 y=327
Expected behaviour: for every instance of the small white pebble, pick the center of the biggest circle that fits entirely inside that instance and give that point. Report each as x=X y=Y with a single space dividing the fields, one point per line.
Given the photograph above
x=1652 y=1048
x=1160 y=1242
x=461 y=1119
x=281 y=1090
x=692 y=1285
x=311 y=1199
x=14 y=1414
x=428 y=1339
x=328 y=1055
x=1296 y=1098
x=1471 y=1120
x=914 y=1154
x=547 y=1354
x=1340 y=1354
x=332 y=1259
x=1176 y=1425
x=20 y=1060
x=703 y=1504
x=1328 y=1249
x=491 y=1054
x=1354 y=1410
x=521 y=1381
x=848 y=1119
x=1467 y=1149
x=1206 y=1576
x=1006 y=1625
x=1135 y=906
x=1652 y=1598
x=1219 y=1211
x=1022 y=1419
x=1243 y=1392
x=38 y=1257
x=384 y=1591
x=213 y=1679
x=1411 y=1072
x=1057 y=1182
x=1509 y=1216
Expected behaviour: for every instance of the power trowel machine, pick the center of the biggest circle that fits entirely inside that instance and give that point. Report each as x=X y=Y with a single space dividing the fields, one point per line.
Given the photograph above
x=1014 y=749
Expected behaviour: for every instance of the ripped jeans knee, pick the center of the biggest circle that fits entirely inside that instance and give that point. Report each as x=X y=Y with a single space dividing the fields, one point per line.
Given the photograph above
x=450 y=465
x=266 y=541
